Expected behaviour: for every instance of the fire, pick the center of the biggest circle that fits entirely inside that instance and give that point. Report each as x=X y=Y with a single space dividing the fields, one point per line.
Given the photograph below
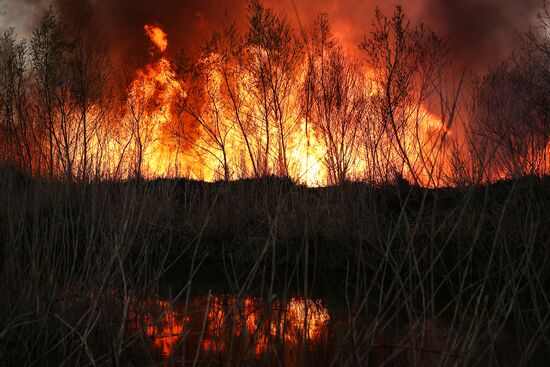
x=157 y=36
x=150 y=113
x=263 y=101
x=212 y=131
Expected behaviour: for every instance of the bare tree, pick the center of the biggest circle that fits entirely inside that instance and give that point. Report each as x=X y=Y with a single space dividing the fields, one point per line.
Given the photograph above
x=338 y=95
x=16 y=131
x=140 y=124
x=89 y=72
x=406 y=62
x=510 y=114
x=208 y=103
x=230 y=50
x=51 y=53
x=274 y=55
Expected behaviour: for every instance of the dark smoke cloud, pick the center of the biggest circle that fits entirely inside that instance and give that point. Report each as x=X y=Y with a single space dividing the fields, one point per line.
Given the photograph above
x=482 y=30
x=478 y=31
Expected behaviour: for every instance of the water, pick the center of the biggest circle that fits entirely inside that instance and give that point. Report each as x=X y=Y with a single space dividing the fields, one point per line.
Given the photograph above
x=217 y=330
x=227 y=328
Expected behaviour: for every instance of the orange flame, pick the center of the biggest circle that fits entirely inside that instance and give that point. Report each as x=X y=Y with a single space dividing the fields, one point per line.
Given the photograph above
x=156 y=141
x=157 y=36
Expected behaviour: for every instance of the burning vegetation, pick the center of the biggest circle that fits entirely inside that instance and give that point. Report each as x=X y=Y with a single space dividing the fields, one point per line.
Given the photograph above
x=270 y=100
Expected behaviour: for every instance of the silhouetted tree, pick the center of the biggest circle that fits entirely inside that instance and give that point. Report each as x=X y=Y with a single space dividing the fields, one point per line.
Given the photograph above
x=88 y=67
x=406 y=63
x=510 y=113
x=210 y=101
x=338 y=101
x=273 y=57
x=16 y=130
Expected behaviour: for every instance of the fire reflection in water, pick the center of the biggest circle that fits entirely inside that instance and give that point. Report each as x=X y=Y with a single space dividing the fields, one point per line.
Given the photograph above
x=165 y=329
x=232 y=328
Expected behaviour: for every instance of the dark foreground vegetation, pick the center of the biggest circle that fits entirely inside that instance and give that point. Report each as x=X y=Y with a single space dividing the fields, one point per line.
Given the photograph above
x=413 y=276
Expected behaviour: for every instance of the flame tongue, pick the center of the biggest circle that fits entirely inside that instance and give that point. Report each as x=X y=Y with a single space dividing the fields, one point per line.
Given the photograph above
x=150 y=99
x=157 y=36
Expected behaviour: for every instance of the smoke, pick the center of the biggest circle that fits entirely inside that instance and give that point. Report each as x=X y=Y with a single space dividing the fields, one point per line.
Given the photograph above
x=187 y=23
x=21 y=15
x=478 y=31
